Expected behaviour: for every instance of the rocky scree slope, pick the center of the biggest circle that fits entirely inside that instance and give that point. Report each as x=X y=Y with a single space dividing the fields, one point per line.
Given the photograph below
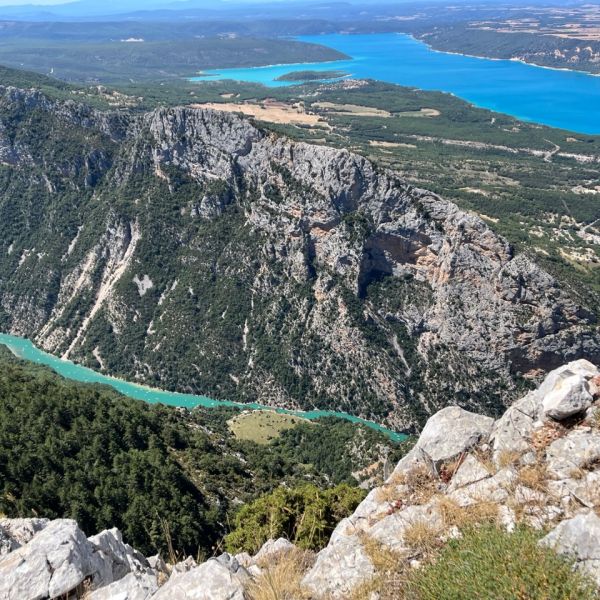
x=190 y=250
x=536 y=466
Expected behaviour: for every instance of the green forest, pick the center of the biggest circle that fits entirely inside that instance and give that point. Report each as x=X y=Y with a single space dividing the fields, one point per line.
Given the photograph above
x=162 y=475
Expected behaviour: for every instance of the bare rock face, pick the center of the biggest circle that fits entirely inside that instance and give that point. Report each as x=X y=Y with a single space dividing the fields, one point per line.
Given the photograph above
x=524 y=469
x=567 y=392
x=341 y=567
x=7 y=543
x=272 y=548
x=468 y=429
x=23 y=530
x=470 y=471
x=48 y=559
x=134 y=586
x=112 y=559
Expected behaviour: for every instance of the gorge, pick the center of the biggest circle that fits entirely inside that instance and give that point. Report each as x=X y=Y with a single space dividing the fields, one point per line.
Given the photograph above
x=171 y=248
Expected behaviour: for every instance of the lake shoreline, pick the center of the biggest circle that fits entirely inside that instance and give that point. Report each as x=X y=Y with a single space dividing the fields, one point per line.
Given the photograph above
x=535 y=94
x=495 y=58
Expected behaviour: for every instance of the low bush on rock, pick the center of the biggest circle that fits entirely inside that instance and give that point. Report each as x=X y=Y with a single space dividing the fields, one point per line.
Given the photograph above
x=489 y=563
x=305 y=515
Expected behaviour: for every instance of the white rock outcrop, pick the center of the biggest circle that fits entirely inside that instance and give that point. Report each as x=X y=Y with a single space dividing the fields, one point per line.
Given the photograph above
x=467 y=429
x=134 y=586
x=539 y=464
x=112 y=559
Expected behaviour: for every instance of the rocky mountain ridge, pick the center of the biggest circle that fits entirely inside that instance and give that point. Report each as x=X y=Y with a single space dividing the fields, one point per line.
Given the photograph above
x=175 y=247
x=536 y=466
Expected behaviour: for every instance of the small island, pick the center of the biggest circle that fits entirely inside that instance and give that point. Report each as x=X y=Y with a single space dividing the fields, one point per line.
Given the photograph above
x=312 y=75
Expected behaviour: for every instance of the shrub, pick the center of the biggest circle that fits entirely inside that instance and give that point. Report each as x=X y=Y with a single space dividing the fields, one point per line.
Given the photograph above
x=489 y=563
x=305 y=515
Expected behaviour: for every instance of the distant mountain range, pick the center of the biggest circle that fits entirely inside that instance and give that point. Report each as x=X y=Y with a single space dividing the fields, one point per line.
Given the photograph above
x=96 y=8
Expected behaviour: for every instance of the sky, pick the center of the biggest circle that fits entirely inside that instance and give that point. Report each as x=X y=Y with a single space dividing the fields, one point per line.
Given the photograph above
x=37 y=2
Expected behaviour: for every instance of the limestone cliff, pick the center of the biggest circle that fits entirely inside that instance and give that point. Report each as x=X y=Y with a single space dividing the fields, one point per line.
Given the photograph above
x=191 y=250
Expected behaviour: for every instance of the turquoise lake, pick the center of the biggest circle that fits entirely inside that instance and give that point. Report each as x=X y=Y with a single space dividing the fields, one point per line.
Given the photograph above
x=26 y=350
x=565 y=99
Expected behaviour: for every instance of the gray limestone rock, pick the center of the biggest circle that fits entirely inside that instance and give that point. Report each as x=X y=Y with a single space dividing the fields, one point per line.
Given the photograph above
x=134 y=586
x=579 y=538
x=271 y=548
x=390 y=530
x=219 y=578
x=566 y=456
x=470 y=471
x=511 y=433
x=569 y=396
x=23 y=530
x=339 y=568
x=7 y=543
x=54 y=562
x=450 y=432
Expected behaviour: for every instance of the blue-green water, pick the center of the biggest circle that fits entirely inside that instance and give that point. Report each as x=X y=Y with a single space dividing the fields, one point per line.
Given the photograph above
x=26 y=350
x=565 y=99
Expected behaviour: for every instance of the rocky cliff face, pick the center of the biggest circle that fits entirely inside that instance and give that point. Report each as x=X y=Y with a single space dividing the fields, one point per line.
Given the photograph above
x=535 y=467
x=189 y=249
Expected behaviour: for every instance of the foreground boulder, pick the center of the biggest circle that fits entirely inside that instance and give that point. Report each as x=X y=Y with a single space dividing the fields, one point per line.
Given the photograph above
x=7 y=544
x=113 y=559
x=570 y=396
x=21 y=531
x=134 y=586
x=340 y=567
x=46 y=559
x=466 y=428
x=53 y=563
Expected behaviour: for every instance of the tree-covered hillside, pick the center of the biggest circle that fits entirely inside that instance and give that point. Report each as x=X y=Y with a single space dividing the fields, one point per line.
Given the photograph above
x=157 y=473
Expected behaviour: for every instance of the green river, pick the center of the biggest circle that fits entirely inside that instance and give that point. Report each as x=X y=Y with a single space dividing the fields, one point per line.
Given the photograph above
x=25 y=349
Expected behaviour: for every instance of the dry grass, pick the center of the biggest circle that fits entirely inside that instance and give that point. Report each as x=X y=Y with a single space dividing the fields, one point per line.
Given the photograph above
x=351 y=109
x=390 y=567
x=281 y=580
x=551 y=431
x=422 y=537
x=279 y=112
x=388 y=493
x=534 y=477
x=508 y=458
x=419 y=486
x=530 y=507
x=486 y=459
x=422 y=485
x=480 y=513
